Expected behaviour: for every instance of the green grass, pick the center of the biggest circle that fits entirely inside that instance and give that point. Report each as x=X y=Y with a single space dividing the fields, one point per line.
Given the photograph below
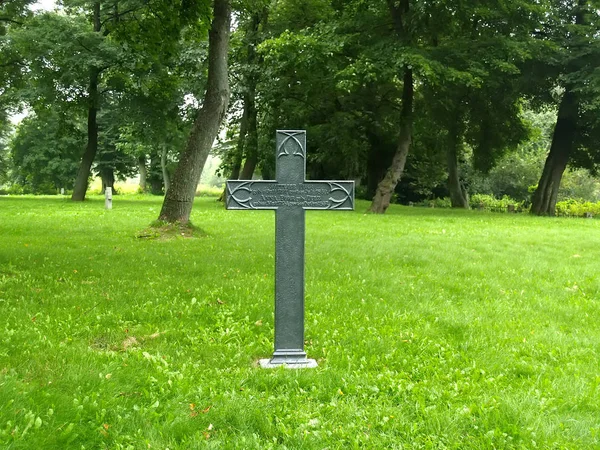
x=432 y=328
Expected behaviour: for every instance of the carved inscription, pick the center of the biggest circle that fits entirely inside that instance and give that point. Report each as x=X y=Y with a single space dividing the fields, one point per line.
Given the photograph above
x=291 y=195
x=308 y=195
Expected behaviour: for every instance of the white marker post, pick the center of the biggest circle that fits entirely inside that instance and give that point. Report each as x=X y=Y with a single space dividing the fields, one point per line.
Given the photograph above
x=108 y=198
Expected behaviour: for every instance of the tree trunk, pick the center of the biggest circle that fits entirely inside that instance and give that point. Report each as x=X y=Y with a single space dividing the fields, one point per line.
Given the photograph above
x=163 y=167
x=108 y=180
x=154 y=177
x=81 y=182
x=386 y=187
x=379 y=158
x=179 y=199
x=248 y=137
x=458 y=195
x=251 y=144
x=236 y=165
x=563 y=139
x=251 y=137
x=143 y=173
x=238 y=152
x=267 y=172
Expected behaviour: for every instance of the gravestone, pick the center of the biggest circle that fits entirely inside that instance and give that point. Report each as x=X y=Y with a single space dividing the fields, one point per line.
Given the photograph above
x=108 y=198
x=290 y=195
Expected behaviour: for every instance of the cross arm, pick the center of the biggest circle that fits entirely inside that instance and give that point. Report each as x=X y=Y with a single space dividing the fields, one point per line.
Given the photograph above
x=323 y=195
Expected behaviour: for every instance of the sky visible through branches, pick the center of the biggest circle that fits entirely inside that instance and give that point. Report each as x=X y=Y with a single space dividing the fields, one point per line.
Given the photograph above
x=46 y=5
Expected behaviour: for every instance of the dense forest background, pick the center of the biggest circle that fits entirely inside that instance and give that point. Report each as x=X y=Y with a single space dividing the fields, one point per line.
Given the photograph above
x=458 y=102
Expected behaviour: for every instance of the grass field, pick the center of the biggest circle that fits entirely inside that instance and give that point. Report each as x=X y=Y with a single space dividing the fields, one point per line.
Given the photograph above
x=432 y=328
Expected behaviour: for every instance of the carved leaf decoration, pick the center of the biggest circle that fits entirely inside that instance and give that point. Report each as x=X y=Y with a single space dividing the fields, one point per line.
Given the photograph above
x=239 y=192
x=283 y=149
x=339 y=196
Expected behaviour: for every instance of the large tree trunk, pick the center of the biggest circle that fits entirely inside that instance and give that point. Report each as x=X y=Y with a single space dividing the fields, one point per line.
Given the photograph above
x=386 y=187
x=143 y=173
x=458 y=195
x=179 y=199
x=81 y=182
x=563 y=139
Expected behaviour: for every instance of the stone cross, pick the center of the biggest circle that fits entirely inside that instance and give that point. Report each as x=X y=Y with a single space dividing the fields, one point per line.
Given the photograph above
x=290 y=195
x=108 y=198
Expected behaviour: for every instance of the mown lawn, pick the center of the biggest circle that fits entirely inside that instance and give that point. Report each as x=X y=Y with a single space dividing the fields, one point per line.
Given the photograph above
x=432 y=328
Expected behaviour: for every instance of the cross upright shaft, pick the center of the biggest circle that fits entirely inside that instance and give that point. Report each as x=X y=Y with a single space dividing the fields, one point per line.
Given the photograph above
x=290 y=195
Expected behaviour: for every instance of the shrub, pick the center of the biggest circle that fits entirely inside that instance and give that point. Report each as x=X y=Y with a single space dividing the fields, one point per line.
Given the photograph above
x=440 y=203
x=491 y=203
x=577 y=208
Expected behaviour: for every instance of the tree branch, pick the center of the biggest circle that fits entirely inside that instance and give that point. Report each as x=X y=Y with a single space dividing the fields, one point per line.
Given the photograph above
x=118 y=16
x=9 y=20
x=15 y=62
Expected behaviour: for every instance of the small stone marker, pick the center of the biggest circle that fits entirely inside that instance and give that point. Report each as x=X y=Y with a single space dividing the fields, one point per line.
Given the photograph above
x=108 y=198
x=290 y=195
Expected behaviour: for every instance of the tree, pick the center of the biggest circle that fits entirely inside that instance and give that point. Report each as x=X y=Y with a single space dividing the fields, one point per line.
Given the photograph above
x=4 y=158
x=179 y=199
x=574 y=28
x=44 y=151
x=86 y=54
x=13 y=15
x=400 y=14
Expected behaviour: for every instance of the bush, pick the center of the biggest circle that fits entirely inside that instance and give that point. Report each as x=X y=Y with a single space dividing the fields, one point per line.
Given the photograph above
x=440 y=203
x=434 y=203
x=15 y=189
x=491 y=203
x=577 y=208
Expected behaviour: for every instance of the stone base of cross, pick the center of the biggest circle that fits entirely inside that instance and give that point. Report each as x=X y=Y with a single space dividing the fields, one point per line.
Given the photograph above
x=290 y=195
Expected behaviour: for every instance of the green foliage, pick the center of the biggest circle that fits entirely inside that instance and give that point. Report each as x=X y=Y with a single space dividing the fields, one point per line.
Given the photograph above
x=512 y=176
x=476 y=331
x=577 y=208
x=44 y=152
x=491 y=203
x=438 y=202
x=4 y=156
x=142 y=52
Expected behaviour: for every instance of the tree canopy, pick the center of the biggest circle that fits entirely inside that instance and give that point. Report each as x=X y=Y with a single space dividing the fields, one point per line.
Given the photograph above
x=411 y=99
